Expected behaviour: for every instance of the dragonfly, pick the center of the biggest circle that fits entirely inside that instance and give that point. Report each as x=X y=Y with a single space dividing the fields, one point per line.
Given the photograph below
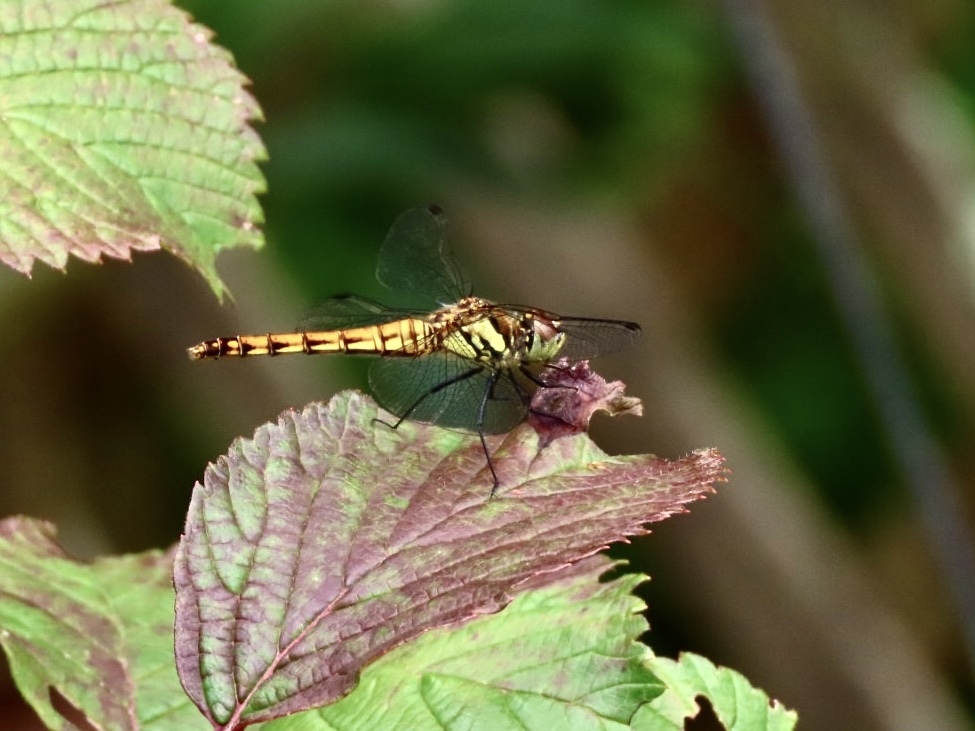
x=465 y=363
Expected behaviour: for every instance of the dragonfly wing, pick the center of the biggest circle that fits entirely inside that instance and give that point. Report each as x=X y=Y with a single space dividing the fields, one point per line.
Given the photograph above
x=448 y=391
x=416 y=257
x=586 y=338
x=341 y=313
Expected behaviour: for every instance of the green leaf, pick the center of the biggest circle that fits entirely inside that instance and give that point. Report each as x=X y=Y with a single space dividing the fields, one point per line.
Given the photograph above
x=328 y=539
x=563 y=655
x=95 y=640
x=122 y=128
x=738 y=705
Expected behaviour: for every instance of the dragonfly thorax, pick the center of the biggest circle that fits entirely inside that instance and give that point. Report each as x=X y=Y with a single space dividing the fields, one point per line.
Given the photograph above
x=502 y=337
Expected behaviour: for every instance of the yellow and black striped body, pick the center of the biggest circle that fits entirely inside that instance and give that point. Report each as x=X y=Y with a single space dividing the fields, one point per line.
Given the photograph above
x=499 y=338
x=474 y=329
x=406 y=337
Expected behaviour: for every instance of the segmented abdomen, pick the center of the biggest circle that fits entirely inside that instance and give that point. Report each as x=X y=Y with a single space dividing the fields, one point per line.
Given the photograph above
x=407 y=337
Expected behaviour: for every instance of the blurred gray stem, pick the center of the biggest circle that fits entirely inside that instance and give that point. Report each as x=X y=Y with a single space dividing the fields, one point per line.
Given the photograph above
x=917 y=455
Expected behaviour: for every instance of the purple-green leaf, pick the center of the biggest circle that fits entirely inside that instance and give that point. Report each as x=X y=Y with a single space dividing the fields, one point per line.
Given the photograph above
x=571 y=394
x=328 y=539
x=90 y=641
x=122 y=128
x=563 y=655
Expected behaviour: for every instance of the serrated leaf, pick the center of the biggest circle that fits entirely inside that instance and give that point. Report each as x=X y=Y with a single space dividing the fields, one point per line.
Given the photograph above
x=738 y=705
x=122 y=128
x=564 y=656
x=93 y=638
x=328 y=539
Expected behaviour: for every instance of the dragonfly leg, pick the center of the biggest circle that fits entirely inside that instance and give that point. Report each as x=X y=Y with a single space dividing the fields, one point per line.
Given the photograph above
x=488 y=393
x=527 y=373
x=439 y=387
x=537 y=381
x=481 y=412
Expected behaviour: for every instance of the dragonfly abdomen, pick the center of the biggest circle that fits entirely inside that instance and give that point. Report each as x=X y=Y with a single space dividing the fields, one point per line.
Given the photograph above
x=406 y=337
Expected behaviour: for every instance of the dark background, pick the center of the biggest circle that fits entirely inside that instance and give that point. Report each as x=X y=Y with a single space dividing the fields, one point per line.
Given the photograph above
x=609 y=159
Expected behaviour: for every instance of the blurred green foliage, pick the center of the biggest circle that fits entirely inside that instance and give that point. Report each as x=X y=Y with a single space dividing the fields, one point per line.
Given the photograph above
x=373 y=108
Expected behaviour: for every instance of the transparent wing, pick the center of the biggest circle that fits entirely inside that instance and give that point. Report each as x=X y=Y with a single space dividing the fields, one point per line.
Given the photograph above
x=415 y=257
x=586 y=338
x=448 y=391
x=341 y=313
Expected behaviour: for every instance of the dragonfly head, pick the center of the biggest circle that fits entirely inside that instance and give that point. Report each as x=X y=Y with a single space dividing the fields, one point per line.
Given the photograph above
x=546 y=338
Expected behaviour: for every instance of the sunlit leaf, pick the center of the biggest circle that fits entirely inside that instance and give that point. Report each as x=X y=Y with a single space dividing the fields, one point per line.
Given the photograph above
x=562 y=656
x=90 y=640
x=738 y=705
x=328 y=539
x=122 y=128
